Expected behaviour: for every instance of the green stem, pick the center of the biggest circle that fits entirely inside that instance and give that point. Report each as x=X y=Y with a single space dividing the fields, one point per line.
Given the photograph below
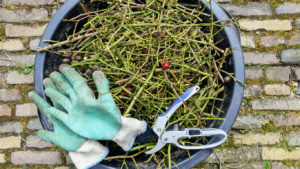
x=140 y=91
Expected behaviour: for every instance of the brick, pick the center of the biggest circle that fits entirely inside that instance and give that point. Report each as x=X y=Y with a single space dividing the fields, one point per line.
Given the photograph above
x=248 y=41
x=2 y=81
x=243 y=165
x=222 y=0
x=5 y=110
x=2 y=158
x=291 y=119
x=248 y=122
x=298 y=90
x=238 y=165
x=10 y=95
x=34 y=124
x=27 y=109
x=206 y=166
x=54 y=10
x=68 y=160
x=278 y=73
x=261 y=58
x=35 y=141
x=33 y=44
x=10 y=142
x=253 y=72
x=249 y=10
x=276 y=104
x=252 y=90
x=27 y=2
x=288 y=8
x=233 y=155
x=9 y=59
x=10 y=127
x=13 y=77
x=12 y=45
x=290 y=56
x=269 y=41
x=268 y=25
x=296 y=73
x=257 y=138
x=273 y=153
x=62 y=168
x=23 y=15
x=298 y=23
x=293 y=139
x=24 y=31
x=36 y=157
x=295 y=40
x=277 y=89
x=277 y=165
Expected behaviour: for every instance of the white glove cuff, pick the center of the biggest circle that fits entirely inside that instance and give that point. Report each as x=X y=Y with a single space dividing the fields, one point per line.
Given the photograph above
x=89 y=154
x=131 y=128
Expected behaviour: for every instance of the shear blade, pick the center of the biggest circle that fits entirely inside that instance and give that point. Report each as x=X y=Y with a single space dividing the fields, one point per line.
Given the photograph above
x=159 y=145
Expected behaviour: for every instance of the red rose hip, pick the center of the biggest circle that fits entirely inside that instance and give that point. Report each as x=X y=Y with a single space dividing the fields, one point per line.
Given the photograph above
x=166 y=65
x=129 y=89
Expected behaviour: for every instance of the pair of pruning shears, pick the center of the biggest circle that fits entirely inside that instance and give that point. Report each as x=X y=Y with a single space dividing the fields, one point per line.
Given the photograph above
x=173 y=135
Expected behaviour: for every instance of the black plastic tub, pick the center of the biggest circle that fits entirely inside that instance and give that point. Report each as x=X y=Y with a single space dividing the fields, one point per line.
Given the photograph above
x=46 y=62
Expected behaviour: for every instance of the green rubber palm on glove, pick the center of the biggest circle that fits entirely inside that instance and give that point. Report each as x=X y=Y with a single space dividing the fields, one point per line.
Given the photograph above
x=94 y=118
x=84 y=153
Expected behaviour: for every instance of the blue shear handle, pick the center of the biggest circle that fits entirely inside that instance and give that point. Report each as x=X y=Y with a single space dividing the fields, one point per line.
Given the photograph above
x=186 y=95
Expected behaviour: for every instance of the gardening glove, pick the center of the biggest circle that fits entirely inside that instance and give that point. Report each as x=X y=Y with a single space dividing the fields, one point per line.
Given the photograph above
x=84 y=153
x=91 y=117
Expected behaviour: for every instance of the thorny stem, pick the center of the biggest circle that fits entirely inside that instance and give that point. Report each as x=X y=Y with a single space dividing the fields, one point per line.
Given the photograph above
x=140 y=91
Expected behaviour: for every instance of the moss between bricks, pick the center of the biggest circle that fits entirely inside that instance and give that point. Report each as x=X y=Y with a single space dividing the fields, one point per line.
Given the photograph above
x=230 y=144
x=289 y=16
x=33 y=166
x=270 y=126
x=254 y=81
x=291 y=163
x=26 y=41
x=16 y=7
x=267 y=112
x=2 y=32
